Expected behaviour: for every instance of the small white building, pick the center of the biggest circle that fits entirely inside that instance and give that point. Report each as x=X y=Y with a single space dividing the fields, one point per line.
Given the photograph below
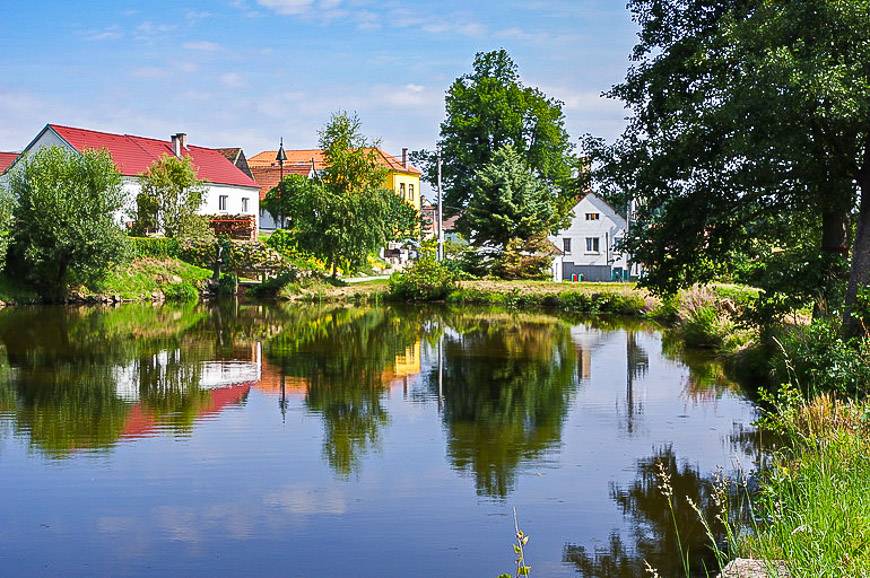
x=588 y=245
x=229 y=190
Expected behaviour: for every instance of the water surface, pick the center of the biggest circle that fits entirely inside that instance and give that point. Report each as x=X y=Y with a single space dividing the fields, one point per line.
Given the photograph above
x=334 y=442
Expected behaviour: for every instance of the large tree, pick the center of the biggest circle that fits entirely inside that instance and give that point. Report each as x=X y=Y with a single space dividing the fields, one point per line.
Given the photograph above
x=509 y=201
x=346 y=214
x=488 y=109
x=171 y=187
x=746 y=114
x=66 y=217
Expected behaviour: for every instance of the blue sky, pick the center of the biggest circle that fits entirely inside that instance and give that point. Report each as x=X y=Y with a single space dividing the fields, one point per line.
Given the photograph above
x=246 y=72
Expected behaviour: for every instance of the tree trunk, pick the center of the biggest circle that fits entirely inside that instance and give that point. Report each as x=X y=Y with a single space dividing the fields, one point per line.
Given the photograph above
x=835 y=245
x=860 y=275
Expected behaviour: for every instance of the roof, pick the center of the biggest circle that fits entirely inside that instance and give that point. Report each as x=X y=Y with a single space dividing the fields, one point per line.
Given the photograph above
x=6 y=160
x=269 y=177
x=305 y=156
x=133 y=155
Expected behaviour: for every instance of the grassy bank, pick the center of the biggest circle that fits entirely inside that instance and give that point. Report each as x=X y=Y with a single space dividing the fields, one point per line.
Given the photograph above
x=814 y=502
x=143 y=279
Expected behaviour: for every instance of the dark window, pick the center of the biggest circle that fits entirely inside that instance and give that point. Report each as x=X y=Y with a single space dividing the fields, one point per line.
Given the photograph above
x=566 y=245
x=244 y=204
x=592 y=245
x=222 y=203
x=593 y=216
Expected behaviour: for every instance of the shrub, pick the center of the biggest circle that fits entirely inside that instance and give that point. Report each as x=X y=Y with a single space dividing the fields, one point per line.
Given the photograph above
x=7 y=207
x=818 y=359
x=425 y=280
x=157 y=247
x=182 y=292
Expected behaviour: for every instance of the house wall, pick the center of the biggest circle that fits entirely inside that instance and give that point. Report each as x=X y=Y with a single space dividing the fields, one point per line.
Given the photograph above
x=396 y=180
x=592 y=265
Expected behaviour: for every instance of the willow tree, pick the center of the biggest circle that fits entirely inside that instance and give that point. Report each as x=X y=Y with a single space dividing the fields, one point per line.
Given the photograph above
x=747 y=120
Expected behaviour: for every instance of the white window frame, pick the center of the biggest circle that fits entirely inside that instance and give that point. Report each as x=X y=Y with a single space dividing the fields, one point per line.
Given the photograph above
x=593 y=245
x=593 y=216
x=245 y=204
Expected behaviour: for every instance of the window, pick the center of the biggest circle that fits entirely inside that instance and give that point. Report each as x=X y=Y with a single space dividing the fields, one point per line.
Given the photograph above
x=592 y=245
x=411 y=193
x=593 y=216
x=244 y=204
x=402 y=190
x=222 y=203
x=566 y=245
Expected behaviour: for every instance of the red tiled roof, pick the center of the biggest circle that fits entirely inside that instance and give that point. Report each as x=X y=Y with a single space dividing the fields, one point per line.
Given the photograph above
x=6 y=160
x=133 y=155
x=304 y=156
x=269 y=177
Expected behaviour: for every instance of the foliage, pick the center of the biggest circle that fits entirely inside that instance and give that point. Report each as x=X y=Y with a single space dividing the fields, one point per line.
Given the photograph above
x=277 y=200
x=743 y=115
x=7 y=214
x=525 y=259
x=348 y=214
x=143 y=277
x=159 y=247
x=490 y=108
x=508 y=200
x=66 y=229
x=818 y=359
x=284 y=242
x=144 y=216
x=426 y=280
x=176 y=194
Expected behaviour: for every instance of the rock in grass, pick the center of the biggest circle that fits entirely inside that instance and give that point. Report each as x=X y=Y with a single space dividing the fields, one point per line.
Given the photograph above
x=746 y=568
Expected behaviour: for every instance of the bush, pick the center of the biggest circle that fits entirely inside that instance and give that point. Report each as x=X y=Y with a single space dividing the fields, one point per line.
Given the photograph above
x=818 y=359
x=425 y=280
x=181 y=292
x=7 y=207
x=157 y=247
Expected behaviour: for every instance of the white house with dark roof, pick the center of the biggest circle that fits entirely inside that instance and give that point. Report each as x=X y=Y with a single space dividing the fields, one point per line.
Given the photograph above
x=229 y=190
x=588 y=245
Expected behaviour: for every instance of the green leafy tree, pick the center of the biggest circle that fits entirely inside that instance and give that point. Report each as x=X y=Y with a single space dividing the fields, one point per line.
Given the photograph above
x=176 y=194
x=348 y=214
x=7 y=215
x=278 y=200
x=66 y=228
x=488 y=109
x=509 y=201
x=743 y=114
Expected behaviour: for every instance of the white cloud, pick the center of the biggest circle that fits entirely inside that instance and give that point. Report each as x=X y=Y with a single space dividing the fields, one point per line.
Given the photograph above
x=287 y=7
x=203 y=45
x=109 y=33
x=232 y=79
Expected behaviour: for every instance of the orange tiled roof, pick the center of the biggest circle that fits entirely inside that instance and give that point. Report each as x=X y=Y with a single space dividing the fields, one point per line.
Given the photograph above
x=305 y=156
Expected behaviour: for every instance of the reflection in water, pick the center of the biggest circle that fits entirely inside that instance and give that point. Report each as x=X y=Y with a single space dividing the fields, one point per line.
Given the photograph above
x=408 y=413
x=506 y=384
x=653 y=534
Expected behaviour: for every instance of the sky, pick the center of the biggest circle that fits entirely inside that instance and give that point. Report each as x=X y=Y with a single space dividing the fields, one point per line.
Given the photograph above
x=248 y=72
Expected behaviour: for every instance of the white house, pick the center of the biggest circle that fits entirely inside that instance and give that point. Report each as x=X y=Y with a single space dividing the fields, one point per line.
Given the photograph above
x=229 y=190
x=588 y=245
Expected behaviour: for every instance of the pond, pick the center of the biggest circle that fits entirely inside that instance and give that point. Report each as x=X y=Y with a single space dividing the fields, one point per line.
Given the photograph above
x=315 y=441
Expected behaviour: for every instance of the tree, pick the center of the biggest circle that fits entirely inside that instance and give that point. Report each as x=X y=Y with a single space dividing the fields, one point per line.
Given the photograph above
x=744 y=114
x=7 y=214
x=509 y=201
x=277 y=200
x=488 y=109
x=348 y=214
x=176 y=192
x=66 y=217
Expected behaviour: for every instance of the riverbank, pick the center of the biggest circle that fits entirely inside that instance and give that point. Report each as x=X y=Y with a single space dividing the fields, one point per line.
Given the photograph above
x=143 y=279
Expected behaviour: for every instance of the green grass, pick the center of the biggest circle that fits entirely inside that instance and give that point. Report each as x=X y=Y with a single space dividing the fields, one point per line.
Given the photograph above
x=815 y=499
x=138 y=280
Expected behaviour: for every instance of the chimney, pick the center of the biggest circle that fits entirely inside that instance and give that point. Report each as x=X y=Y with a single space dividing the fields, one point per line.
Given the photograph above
x=179 y=143
x=405 y=157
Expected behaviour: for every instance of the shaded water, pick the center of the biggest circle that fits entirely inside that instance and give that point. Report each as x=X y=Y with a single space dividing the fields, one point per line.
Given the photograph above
x=336 y=442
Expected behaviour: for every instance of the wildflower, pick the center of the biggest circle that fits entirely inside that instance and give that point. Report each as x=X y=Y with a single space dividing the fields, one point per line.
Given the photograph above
x=664 y=481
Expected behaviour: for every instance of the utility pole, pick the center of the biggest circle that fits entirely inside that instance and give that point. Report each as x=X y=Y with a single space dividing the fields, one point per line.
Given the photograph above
x=440 y=212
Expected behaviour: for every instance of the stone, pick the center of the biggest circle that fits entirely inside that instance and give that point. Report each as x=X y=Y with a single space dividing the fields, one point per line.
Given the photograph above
x=746 y=568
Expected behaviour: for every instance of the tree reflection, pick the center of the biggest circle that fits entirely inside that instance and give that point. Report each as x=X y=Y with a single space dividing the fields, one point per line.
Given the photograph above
x=76 y=375
x=346 y=357
x=506 y=384
x=653 y=537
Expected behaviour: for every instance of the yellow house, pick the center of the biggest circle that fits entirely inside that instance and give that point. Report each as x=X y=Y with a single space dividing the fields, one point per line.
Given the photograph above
x=402 y=176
